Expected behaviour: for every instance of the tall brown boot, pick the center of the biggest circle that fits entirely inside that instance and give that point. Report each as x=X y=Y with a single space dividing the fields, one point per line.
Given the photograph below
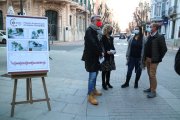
x=92 y=99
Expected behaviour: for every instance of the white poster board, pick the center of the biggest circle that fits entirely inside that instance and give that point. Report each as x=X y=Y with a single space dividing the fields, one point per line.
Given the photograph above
x=27 y=44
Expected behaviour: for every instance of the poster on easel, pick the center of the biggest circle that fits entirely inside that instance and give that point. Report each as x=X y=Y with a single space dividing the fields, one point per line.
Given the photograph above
x=27 y=44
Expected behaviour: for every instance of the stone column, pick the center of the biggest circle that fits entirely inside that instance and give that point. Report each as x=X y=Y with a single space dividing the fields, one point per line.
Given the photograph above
x=63 y=6
x=60 y=29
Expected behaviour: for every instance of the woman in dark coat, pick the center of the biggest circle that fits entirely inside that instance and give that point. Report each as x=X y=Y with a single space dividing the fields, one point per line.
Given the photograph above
x=108 y=64
x=134 y=56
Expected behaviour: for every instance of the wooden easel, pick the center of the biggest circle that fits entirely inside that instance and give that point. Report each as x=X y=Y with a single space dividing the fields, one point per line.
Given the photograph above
x=29 y=97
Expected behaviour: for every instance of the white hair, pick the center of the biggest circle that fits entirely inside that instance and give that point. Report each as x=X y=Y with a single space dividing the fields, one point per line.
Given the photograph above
x=94 y=17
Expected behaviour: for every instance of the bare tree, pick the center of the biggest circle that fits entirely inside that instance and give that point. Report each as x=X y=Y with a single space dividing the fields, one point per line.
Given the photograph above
x=141 y=14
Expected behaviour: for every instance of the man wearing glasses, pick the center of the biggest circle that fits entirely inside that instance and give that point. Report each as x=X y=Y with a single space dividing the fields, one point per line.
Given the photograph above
x=92 y=52
x=154 y=52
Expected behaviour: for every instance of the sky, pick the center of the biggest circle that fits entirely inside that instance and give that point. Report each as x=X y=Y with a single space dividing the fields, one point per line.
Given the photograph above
x=123 y=11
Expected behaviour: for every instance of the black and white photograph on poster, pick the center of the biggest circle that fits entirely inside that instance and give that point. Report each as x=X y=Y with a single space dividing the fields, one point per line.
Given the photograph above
x=18 y=46
x=17 y=33
x=38 y=46
x=37 y=34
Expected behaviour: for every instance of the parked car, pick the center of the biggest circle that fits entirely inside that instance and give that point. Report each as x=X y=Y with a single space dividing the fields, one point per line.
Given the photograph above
x=116 y=35
x=3 y=37
x=122 y=36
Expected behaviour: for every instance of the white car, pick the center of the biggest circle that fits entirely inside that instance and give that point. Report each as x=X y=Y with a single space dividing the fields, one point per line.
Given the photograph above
x=3 y=37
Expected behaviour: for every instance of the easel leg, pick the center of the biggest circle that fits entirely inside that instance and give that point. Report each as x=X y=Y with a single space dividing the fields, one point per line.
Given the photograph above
x=30 y=90
x=14 y=98
x=46 y=94
x=27 y=88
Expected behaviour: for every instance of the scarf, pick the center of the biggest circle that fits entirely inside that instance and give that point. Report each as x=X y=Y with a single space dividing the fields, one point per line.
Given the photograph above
x=98 y=30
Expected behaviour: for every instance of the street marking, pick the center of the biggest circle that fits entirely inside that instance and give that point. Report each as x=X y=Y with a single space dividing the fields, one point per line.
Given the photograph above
x=125 y=44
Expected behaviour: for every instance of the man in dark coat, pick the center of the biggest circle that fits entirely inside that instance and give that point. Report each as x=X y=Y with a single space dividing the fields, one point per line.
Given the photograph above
x=177 y=62
x=154 y=52
x=91 y=55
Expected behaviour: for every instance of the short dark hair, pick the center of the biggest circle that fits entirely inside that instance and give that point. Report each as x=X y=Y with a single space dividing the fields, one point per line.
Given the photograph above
x=156 y=25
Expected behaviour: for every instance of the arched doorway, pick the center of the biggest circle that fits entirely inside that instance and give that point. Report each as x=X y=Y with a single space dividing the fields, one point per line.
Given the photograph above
x=1 y=20
x=52 y=24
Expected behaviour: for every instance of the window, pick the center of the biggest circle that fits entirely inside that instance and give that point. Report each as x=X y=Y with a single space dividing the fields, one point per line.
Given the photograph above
x=179 y=32
x=52 y=23
x=70 y=20
x=158 y=9
x=1 y=20
x=84 y=23
x=77 y=21
x=80 y=24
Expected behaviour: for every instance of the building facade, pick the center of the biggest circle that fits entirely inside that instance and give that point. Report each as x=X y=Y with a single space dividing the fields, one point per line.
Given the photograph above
x=167 y=14
x=67 y=19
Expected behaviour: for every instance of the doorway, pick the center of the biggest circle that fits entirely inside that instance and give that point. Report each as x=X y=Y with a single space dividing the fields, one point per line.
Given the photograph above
x=52 y=24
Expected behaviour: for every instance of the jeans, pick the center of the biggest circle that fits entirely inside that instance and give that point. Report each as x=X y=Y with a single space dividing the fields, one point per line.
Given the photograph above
x=92 y=81
x=134 y=62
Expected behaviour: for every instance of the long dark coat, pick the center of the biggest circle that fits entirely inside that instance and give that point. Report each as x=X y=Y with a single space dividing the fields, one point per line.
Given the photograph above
x=109 y=63
x=177 y=62
x=92 y=51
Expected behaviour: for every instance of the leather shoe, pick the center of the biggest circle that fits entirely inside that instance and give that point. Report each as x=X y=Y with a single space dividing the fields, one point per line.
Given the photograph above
x=124 y=85
x=151 y=95
x=147 y=90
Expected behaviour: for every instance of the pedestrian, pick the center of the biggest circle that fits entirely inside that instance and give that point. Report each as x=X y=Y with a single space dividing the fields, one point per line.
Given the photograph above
x=155 y=49
x=109 y=50
x=177 y=62
x=91 y=54
x=134 y=56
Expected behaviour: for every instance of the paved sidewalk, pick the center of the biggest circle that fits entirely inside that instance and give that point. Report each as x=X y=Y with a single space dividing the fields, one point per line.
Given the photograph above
x=67 y=88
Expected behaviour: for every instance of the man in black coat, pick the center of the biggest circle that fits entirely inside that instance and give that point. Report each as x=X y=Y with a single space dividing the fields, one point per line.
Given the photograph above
x=177 y=62
x=154 y=52
x=92 y=52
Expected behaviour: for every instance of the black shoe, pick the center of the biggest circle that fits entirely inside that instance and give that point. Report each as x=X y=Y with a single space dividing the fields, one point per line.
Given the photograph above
x=136 y=85
x=104 y=87
x=147 y=90
x=109 y=85
x=124 y=85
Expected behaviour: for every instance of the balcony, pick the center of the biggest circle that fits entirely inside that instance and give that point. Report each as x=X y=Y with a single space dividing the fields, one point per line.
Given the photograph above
x=172 y=11
x=156 y=18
